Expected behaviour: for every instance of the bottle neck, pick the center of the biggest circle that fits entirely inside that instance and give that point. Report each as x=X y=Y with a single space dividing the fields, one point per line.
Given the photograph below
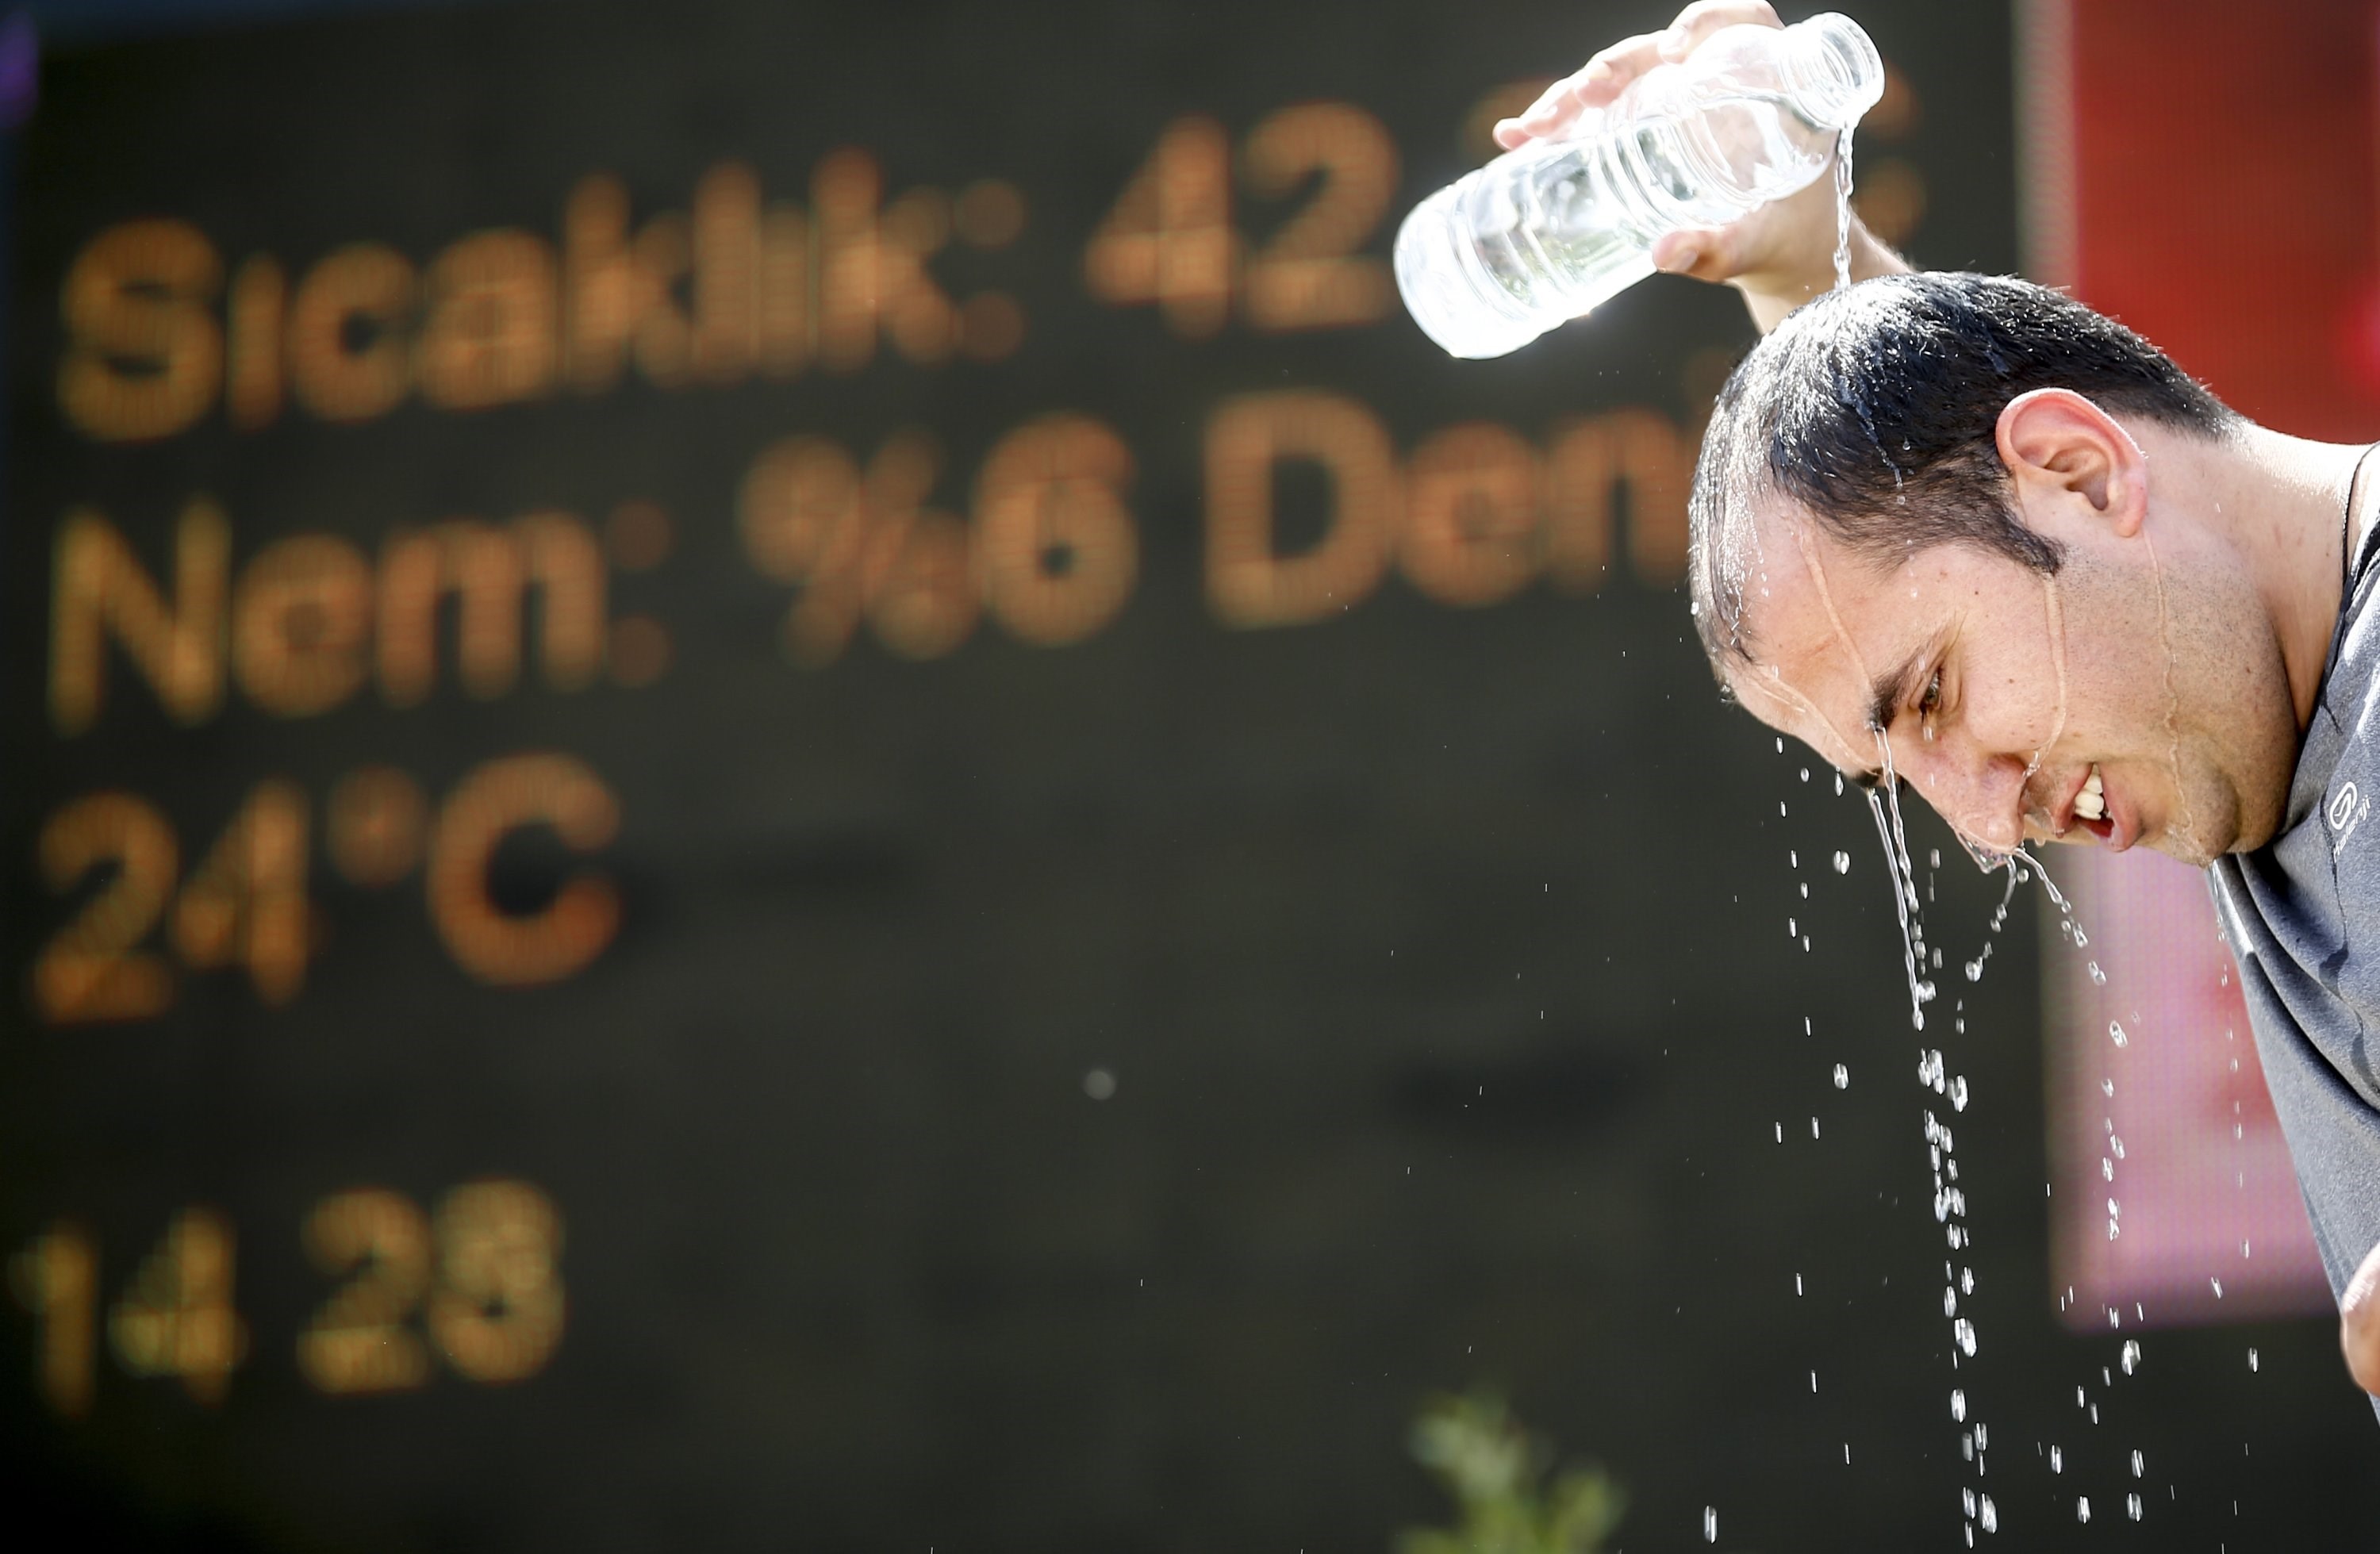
x=1831 y=69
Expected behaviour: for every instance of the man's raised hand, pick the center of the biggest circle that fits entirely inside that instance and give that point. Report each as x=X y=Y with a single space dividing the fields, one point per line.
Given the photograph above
x=1781 y=255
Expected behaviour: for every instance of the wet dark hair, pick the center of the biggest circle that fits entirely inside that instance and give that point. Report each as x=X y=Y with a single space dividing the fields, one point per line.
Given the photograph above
x=1874 y=410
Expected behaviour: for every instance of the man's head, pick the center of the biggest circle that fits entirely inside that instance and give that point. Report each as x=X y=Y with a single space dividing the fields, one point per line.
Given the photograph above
x=1924 y=509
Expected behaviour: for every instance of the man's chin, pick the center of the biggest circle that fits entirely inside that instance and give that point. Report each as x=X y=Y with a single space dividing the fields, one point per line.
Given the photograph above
x=2229 y=829
x=2183 y=849
x=2200 y=845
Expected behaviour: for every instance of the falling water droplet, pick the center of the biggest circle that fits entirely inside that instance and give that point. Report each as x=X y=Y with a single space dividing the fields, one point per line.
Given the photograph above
x=2131 y=1359
x=1842 y=1076
x=2133 y=1504
x=2083 y=1508
x=1964 y=1331
x=2056 y=1460
x=1958 y=1405
x=1991 y=1517
x=1842 y=863
x=2140 y=1465
x=1958 y=1093
x=2252 y=1359
x=2116 y=1034
x=2098 y=975
x=1710 y=1525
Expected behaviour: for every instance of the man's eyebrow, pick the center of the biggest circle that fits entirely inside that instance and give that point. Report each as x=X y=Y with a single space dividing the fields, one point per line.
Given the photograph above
x=1891 y=690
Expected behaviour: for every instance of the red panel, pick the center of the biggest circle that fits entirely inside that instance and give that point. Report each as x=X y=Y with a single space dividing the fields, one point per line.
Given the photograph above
x=2173 y=1200
x=2227 y=201
x=2224 y=165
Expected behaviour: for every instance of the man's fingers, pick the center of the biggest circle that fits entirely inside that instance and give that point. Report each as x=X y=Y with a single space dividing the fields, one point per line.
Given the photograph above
x=1703 y=17
x=1608 y=74
x=1594 y=86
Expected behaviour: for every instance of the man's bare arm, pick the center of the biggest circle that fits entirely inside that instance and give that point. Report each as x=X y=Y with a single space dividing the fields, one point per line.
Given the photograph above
x=1779 y=256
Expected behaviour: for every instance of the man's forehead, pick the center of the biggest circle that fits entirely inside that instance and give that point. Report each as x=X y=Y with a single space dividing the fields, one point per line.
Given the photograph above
x=1815 y=651
x=1796 y=585
x=1781 y=617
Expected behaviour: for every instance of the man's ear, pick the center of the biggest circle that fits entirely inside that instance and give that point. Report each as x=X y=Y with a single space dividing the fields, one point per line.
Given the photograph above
x=2061 y=450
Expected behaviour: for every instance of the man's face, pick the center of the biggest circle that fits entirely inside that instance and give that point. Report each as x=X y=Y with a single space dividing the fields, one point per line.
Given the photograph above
x=2004 y=693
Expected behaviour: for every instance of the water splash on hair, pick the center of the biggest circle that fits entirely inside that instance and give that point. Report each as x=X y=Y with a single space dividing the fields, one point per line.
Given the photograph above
x=1867 y=424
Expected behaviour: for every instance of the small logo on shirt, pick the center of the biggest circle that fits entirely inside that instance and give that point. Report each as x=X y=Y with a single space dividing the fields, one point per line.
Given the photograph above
x=2346 y=810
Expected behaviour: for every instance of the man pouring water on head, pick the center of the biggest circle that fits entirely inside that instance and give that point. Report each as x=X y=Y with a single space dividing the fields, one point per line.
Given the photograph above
x=1963 y=531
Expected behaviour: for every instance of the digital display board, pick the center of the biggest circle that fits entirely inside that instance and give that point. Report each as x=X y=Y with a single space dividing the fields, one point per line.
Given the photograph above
x=788 y=776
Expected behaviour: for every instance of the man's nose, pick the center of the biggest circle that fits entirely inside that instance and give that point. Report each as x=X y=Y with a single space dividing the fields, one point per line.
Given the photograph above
x=1981 y=795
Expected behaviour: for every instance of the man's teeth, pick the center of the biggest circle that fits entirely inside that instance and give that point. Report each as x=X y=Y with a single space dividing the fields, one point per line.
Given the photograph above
x=2091 y=803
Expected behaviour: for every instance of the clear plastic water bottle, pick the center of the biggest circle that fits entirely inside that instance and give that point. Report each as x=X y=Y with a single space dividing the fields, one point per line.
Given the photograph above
x=1543 y=234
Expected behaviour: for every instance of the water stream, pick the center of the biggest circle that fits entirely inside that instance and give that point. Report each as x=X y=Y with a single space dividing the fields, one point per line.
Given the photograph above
x=1919 y=961
x=1979 y=1513
x=1843 y=210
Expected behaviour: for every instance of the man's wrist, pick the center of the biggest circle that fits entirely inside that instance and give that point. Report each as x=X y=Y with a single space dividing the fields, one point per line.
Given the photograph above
x=1771 y=296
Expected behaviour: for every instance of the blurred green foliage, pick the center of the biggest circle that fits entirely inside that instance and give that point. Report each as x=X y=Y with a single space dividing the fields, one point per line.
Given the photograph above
x=1496 y=1470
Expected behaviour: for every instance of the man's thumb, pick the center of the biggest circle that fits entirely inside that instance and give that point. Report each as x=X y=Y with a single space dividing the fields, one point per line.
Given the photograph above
x=1692 y=251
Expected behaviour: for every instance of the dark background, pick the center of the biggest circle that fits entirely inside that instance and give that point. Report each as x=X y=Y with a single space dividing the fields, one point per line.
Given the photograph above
x=1438 y=955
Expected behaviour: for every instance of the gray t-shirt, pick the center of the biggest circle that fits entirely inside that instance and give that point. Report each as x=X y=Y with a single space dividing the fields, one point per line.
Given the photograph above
x=2302 y=913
